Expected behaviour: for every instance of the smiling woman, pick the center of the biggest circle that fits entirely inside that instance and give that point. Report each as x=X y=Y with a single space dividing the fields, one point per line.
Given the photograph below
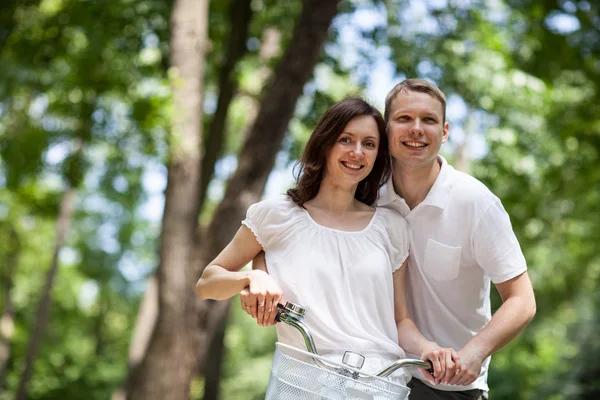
x=356 y=126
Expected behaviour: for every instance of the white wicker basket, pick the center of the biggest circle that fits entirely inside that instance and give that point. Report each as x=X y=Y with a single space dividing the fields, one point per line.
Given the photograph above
x=294 y=376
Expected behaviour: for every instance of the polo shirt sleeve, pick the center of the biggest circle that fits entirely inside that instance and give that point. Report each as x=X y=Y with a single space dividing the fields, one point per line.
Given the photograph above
x=496 y=248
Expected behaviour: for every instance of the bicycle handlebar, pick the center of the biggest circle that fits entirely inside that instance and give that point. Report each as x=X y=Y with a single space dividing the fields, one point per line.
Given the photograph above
x=293 y=314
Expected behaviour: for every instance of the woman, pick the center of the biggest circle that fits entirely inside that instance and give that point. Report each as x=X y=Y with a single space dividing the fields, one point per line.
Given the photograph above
x=328 y=249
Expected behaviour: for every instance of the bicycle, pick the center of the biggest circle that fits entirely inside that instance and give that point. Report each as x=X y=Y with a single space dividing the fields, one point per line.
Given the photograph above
x=298 y=374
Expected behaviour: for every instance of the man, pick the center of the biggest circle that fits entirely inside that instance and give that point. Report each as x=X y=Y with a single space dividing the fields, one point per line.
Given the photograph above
x=461 y=241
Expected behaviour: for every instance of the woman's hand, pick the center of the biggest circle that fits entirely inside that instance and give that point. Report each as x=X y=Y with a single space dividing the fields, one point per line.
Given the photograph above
x=260 y=298
x=445 y=362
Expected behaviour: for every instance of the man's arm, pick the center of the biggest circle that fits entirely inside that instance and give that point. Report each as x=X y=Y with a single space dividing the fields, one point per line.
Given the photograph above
x=444 y=360
x=518 y=308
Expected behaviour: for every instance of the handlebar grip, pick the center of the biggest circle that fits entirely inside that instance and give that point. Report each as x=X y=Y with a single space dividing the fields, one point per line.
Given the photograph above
x=430 y=368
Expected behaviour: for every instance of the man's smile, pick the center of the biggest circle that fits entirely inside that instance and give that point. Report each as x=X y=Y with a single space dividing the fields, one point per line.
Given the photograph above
x=415 y=145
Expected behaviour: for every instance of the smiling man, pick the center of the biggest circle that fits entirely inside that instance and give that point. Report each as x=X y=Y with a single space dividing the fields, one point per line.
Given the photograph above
x=461 y=241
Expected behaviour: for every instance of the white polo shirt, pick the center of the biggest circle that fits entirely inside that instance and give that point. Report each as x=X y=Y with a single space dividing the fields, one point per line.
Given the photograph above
x=461 y=239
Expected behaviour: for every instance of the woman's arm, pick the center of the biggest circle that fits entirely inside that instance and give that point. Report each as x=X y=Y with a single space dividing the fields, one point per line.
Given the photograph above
x=444 y=361
x=223 y=279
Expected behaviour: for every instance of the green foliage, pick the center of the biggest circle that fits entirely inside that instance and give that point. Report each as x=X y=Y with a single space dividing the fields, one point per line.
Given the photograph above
x=85 y=102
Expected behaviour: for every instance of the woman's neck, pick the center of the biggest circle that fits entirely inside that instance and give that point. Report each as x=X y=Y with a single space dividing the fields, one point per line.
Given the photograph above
x=335 y=198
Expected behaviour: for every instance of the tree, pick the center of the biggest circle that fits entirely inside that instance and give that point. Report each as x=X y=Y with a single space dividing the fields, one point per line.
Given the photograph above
x=169 y=363
x=64 y=221
x=240 y=16
x=13 y=246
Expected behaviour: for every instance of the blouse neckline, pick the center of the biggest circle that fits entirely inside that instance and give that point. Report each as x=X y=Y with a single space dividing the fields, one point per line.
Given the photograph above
x=310 y=218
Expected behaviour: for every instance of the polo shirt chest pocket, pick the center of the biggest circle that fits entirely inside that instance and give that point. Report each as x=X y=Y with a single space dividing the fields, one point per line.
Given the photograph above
x=442 y=262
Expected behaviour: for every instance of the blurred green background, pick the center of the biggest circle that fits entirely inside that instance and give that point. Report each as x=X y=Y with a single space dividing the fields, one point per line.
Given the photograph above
x=95 y=129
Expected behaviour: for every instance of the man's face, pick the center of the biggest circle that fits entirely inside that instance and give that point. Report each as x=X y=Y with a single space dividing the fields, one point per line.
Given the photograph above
x=416 y=129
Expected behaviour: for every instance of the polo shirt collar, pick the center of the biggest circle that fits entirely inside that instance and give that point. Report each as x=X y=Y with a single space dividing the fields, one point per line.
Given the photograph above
x=440 y=191
x=387 y=194
x=438 y=194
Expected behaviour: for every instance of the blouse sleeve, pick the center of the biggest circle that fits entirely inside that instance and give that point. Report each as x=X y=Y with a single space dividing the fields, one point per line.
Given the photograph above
x=399 y=239
x=254 y=217
x=267 y=219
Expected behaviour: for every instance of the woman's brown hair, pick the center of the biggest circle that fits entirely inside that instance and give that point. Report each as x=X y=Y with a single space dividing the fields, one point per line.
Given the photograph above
x=311 y=166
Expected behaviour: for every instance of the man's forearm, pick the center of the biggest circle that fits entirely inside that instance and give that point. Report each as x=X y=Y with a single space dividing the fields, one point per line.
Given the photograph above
x=410 y=339
x=510 y=319
x=259 y=262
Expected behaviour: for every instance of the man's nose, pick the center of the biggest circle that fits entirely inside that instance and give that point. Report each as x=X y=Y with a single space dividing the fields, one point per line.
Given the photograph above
x=417 y=127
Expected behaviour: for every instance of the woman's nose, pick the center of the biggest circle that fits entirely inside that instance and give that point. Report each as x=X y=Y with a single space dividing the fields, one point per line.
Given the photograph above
x=357 y=151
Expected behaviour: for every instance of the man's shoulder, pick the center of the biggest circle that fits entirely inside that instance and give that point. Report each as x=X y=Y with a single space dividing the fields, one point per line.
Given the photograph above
x=470 y=190
x=393 y=224
x=390 y=215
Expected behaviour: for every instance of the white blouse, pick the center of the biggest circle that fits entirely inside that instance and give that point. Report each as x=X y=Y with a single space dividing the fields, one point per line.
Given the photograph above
x=343 y=279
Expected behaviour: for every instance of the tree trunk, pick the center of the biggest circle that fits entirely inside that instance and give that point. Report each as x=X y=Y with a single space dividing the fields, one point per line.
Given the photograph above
x=7 y=325
x=169 y=363
x=7 y=21
x=240 y=16
x=144 y=326
x=67 y=206
x=258 y=153
x=214 y=357
x=269 y=48
x=149 y=308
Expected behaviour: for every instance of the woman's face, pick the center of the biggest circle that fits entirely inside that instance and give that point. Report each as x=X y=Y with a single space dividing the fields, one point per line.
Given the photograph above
x=353 y=155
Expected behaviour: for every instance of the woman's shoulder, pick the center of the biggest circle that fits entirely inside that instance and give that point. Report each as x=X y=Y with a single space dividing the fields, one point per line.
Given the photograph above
x=277 y=208
x=281 y=202
x=273 y=220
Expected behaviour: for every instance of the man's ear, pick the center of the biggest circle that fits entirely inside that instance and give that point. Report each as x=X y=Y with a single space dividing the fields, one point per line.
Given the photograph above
x=445 y=132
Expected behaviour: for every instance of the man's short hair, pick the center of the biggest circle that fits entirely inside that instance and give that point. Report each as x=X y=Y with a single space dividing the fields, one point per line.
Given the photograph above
x=415 y=85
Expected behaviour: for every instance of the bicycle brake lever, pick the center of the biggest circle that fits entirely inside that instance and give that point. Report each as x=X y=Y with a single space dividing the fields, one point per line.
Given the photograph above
x=430 y=368
x=280 y=309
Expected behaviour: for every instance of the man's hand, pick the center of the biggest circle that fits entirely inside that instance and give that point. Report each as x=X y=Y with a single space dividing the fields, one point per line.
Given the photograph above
x=445 y=362
x=261 y=297
x=470 y=368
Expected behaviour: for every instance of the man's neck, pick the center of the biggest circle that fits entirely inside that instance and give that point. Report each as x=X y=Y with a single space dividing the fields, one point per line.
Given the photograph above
x=414 y=183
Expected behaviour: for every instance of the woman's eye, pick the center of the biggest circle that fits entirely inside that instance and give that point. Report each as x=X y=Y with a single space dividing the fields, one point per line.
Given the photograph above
x=371 y=144
x=345 y=140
